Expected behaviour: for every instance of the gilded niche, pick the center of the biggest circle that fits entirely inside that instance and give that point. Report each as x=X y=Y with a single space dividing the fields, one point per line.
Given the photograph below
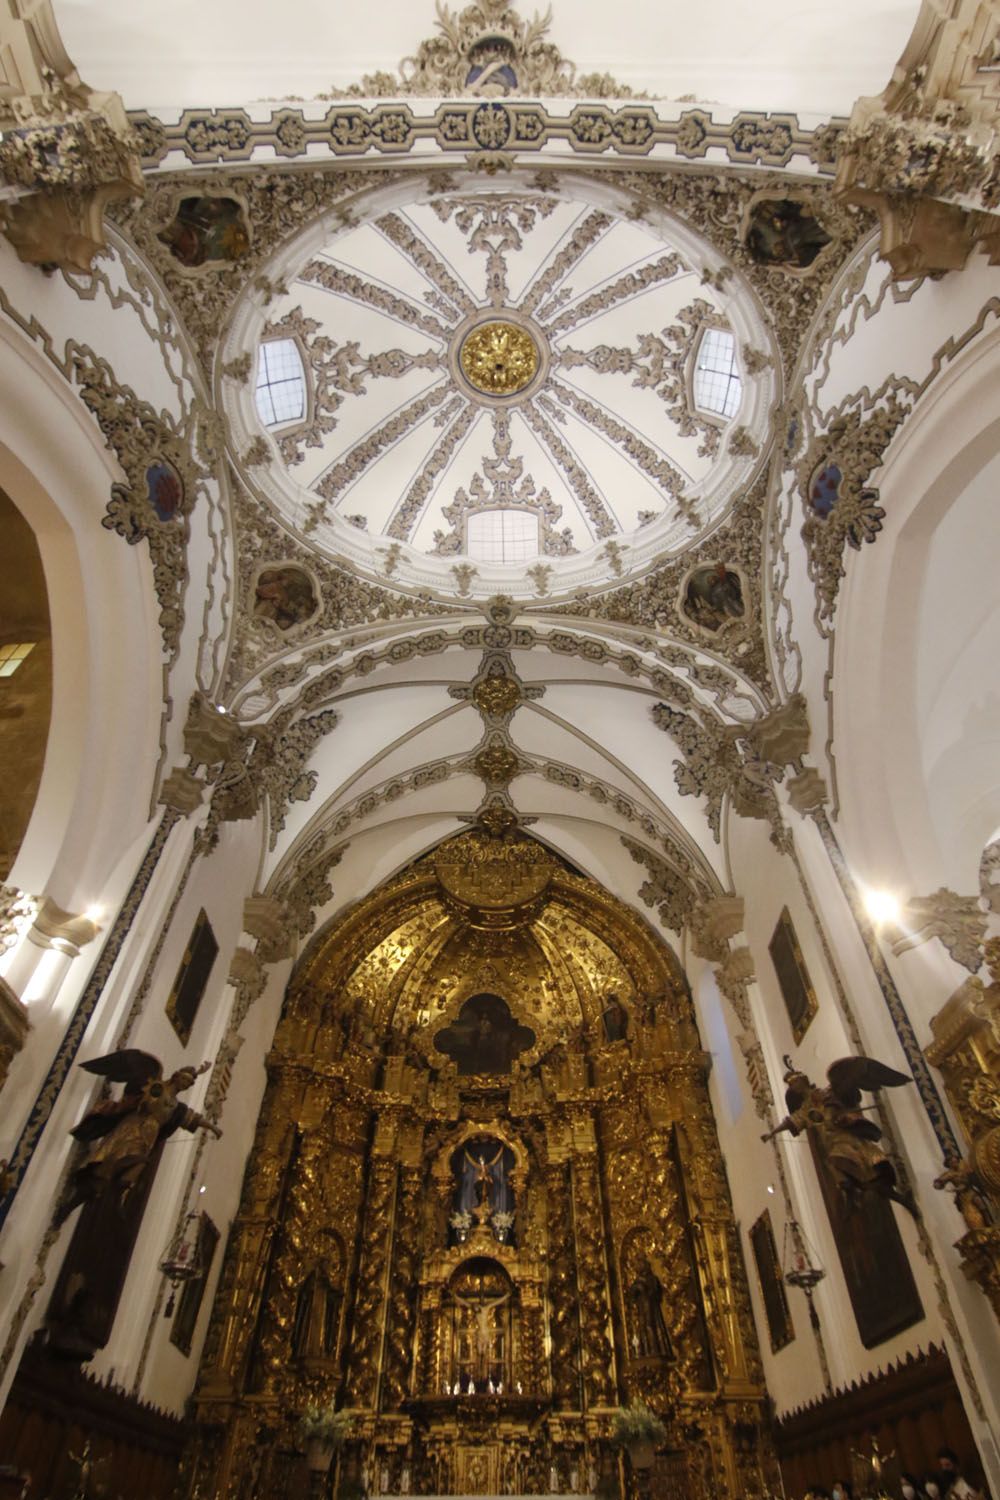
x=485 y=1205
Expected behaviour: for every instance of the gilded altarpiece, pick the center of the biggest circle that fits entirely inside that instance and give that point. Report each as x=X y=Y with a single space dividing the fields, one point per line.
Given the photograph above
x=481 y=1266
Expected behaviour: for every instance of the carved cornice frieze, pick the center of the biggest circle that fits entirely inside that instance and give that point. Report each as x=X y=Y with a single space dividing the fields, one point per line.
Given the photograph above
x=924 y=153
x=211 y=734
x=66 y=151
x=269 y=920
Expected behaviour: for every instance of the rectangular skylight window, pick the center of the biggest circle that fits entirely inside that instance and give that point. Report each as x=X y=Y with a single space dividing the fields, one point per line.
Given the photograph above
x=12 y=656
x=281 y=383
x=717 y=385
x=502 y=536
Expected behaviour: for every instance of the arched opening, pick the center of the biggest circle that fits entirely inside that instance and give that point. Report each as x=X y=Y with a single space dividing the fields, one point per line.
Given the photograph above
x=25 y=678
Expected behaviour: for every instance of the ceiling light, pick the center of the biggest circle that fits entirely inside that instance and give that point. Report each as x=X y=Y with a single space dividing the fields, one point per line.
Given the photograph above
x=882 y=907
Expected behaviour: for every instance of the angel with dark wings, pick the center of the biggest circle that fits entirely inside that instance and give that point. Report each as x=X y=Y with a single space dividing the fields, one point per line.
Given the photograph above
x=846 y=1137
x=122 y=1134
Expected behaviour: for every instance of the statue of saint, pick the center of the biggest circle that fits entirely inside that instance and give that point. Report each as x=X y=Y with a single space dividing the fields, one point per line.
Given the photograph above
x=650 y=1338
x=846 y=1137
x=122 y=1134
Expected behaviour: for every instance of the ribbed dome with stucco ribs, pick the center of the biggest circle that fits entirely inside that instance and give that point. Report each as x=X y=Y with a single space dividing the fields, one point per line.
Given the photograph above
x=507 y=377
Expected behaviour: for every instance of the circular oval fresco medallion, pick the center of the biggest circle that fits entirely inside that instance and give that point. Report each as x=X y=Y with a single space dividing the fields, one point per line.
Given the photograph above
x=499 y=358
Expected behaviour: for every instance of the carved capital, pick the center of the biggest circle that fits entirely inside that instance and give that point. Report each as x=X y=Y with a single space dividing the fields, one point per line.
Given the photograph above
x=210 y=736
x=733 y=977
x=268 y=920
x=55 y=928
x=14 y=1025
x=66 y=151
x=712 y=923
x=17 y=912
x=806 y=792
x=923 y=154
x=955 y=1022
x=782 y=736
x=956 y=921
x=182 y=791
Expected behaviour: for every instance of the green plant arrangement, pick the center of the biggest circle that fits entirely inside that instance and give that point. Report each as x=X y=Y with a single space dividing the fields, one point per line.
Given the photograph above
x=639 y=1430
x=321 y=1430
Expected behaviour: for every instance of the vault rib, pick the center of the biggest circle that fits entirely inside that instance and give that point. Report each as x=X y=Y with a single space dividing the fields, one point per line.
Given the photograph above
x=632 y=284
x=594 y=226
x=343 y=283
x=592 y=503
x=425 y=260
x=371 y=446
x=643 y=455
x=407 y=514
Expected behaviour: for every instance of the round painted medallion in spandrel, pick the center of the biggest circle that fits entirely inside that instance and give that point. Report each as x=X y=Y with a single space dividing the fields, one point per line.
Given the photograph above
x=499 y=358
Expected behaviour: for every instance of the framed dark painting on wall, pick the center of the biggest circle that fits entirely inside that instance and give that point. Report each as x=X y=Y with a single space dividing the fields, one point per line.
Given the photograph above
x=793 y=976
x=872 y=1256
x=192 y=978
x=193 y=1292
x=772 y=1283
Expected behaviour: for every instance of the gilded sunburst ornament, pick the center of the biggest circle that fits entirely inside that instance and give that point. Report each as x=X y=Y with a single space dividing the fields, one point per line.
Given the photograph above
x=499 y=358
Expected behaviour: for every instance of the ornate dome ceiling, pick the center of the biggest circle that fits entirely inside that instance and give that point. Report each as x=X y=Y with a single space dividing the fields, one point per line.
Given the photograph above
x=500 y=380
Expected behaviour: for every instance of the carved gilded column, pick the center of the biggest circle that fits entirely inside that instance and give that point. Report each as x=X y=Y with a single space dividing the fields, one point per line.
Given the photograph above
x=966 y=1048
x=599 y=1379
x=564 y=1323
x=401 y=1311
x=370 y=1307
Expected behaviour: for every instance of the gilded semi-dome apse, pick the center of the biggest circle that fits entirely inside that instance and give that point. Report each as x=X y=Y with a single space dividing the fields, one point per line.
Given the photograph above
x=484 y=916
x=507 y=380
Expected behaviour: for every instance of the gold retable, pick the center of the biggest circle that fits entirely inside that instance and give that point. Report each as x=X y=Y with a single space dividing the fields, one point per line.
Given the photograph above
x=499 y=359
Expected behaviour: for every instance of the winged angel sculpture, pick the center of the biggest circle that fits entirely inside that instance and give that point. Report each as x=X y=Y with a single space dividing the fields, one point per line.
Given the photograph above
x=122 y=1134
x=846 y=1138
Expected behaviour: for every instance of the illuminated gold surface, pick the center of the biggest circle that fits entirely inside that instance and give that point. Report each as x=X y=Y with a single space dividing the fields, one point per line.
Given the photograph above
x=499 y=359
x=341 y=1266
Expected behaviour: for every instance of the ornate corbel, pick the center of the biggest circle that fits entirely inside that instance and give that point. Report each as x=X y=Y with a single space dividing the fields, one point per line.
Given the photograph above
x=66 y=151
x=923 y=154
x=781 y=737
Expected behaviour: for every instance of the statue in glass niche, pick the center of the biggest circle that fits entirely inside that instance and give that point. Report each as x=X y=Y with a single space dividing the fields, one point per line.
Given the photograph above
x=122 y=1134
x=650 y=1339
x=483 y=1192
x=846 y=1138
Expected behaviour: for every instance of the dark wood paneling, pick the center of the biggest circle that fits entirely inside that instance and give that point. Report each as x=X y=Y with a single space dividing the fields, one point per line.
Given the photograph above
x=53 y=1408
x=912 y=1409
